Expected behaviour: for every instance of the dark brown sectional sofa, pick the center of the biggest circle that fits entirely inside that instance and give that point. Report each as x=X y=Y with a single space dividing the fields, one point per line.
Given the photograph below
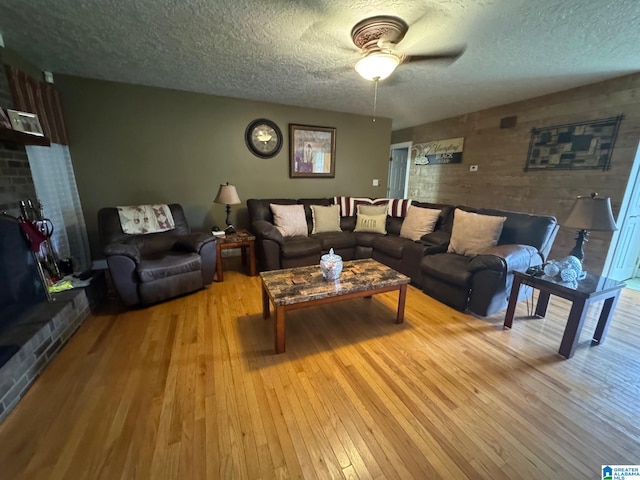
x=479 y=284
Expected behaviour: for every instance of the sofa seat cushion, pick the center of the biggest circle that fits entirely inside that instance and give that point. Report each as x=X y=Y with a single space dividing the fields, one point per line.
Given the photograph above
x=390 y=245
x=168 y=264
x=449 y=267
x=300 y=247
x=335 y=240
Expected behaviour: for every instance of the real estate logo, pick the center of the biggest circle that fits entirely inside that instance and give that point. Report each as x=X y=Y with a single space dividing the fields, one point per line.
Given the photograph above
x=620 y=472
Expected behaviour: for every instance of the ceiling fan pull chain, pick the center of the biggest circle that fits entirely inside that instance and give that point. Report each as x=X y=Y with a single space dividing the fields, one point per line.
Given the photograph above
x=375 y=97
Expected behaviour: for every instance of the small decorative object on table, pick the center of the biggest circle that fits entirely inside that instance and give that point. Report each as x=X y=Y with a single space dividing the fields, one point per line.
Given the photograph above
x=569 y=269
x=331 y=266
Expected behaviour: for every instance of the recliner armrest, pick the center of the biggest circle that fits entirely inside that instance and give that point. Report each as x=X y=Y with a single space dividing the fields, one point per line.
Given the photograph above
x=506 y=258
x=264 y=230
x=130 y=251
x=437 y=237
x=195 y=241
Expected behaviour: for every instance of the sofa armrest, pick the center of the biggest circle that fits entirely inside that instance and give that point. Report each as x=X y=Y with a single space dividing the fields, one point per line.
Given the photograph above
x=264 y=230
x=195 y=241
x=130 y=251
x=506 y=258
x=437 y=237
x=122 y=268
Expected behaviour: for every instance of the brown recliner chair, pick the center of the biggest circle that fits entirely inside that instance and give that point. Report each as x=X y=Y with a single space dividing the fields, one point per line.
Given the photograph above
x=149 y=268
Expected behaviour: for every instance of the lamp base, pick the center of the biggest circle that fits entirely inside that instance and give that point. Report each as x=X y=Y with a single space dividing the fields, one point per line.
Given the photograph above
x=230 y=229
x=228 y=220
x=577 y=251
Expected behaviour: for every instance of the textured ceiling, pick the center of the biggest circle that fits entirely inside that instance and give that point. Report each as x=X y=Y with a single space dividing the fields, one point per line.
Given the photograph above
x=300 y=52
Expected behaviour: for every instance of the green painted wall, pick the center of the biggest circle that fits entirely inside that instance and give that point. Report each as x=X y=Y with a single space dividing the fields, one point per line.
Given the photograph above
x=133 y=144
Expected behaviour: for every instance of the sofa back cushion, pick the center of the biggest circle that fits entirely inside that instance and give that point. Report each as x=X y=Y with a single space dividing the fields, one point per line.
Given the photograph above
x=260 y=209
x=445 y=219
x=152 y=243
x=473 y=233
x=110 y=229
x=394 y=224
x=526 y=229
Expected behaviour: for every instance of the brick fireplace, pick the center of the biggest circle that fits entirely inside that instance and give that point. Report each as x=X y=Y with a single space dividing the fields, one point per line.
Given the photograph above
x=32 y=329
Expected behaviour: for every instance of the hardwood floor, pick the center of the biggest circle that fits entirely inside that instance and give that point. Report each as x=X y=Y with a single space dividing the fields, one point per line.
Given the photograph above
x=192 y=389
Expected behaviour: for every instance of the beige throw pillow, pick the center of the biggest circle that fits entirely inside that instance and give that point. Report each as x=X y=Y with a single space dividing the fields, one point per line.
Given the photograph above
x=418 y=222
x=372 y=209
x=290 y=220
x=325 y=219
x=371 y=223
x=473 y=233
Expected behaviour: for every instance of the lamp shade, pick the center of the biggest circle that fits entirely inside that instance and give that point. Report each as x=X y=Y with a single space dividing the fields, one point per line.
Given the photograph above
x=227 y=195
x=377 y=66
x=591 y=213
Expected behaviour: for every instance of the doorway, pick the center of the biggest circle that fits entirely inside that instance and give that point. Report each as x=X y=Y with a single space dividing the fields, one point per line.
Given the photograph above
x=398 y=180
x=624 y=252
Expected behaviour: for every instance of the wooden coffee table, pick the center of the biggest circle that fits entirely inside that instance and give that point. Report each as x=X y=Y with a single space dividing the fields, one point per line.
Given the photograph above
x=302 y=287
x=582 y=293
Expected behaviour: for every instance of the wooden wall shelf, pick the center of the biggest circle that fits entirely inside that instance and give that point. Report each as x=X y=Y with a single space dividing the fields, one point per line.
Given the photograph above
x=8 y=135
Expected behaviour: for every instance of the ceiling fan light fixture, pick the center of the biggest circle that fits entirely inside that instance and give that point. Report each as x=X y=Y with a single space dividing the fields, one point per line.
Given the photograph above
x=377 y=66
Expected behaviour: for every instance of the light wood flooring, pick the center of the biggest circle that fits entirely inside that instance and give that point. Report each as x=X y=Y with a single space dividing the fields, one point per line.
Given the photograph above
x=191 y=388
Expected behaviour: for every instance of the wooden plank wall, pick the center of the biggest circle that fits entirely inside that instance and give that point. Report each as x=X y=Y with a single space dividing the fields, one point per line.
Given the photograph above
x=500 y=155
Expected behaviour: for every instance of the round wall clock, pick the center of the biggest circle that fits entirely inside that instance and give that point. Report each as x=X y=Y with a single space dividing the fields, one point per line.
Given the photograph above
x=263 y=138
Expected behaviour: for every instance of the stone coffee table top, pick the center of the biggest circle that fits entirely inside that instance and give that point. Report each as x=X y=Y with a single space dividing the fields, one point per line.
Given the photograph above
x=302 y=284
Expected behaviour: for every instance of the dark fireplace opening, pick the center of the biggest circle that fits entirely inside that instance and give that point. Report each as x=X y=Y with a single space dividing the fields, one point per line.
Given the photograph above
x=22 y=291
x=33 y=325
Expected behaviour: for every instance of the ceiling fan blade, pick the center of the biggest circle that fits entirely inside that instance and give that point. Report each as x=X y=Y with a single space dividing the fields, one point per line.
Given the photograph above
x=450 y=55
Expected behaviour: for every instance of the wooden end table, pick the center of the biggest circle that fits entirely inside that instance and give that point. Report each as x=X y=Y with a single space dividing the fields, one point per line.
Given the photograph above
x=240 y=239
x=301 y=287
x=581 y=294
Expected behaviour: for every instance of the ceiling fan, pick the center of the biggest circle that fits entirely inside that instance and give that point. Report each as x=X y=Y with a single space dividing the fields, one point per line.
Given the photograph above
x=378 y=37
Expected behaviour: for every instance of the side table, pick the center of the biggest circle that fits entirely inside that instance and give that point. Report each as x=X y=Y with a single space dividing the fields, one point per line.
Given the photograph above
x=581 y=294
x=241 y=239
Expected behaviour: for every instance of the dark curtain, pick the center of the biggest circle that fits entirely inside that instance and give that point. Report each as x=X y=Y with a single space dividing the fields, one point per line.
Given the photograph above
x=33 y=96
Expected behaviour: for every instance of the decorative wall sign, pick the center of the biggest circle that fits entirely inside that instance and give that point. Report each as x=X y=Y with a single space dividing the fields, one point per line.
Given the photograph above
x=438 y=152
x=574 y=146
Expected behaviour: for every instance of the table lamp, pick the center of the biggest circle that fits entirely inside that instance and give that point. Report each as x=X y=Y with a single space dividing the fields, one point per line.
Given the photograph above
x=589 y=213
x=228 y=196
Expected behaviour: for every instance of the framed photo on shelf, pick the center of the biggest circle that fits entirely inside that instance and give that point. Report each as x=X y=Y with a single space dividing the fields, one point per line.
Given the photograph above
x=312 y=151
x=4 y=120
x=25 y=122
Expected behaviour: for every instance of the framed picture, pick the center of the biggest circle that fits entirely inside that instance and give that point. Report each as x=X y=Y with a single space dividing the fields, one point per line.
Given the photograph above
x=4 y=120
x=25 y=122
x=312 y=151
x=573 y=146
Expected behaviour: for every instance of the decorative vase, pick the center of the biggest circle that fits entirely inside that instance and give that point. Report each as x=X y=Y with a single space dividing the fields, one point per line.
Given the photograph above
x=331 y=266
